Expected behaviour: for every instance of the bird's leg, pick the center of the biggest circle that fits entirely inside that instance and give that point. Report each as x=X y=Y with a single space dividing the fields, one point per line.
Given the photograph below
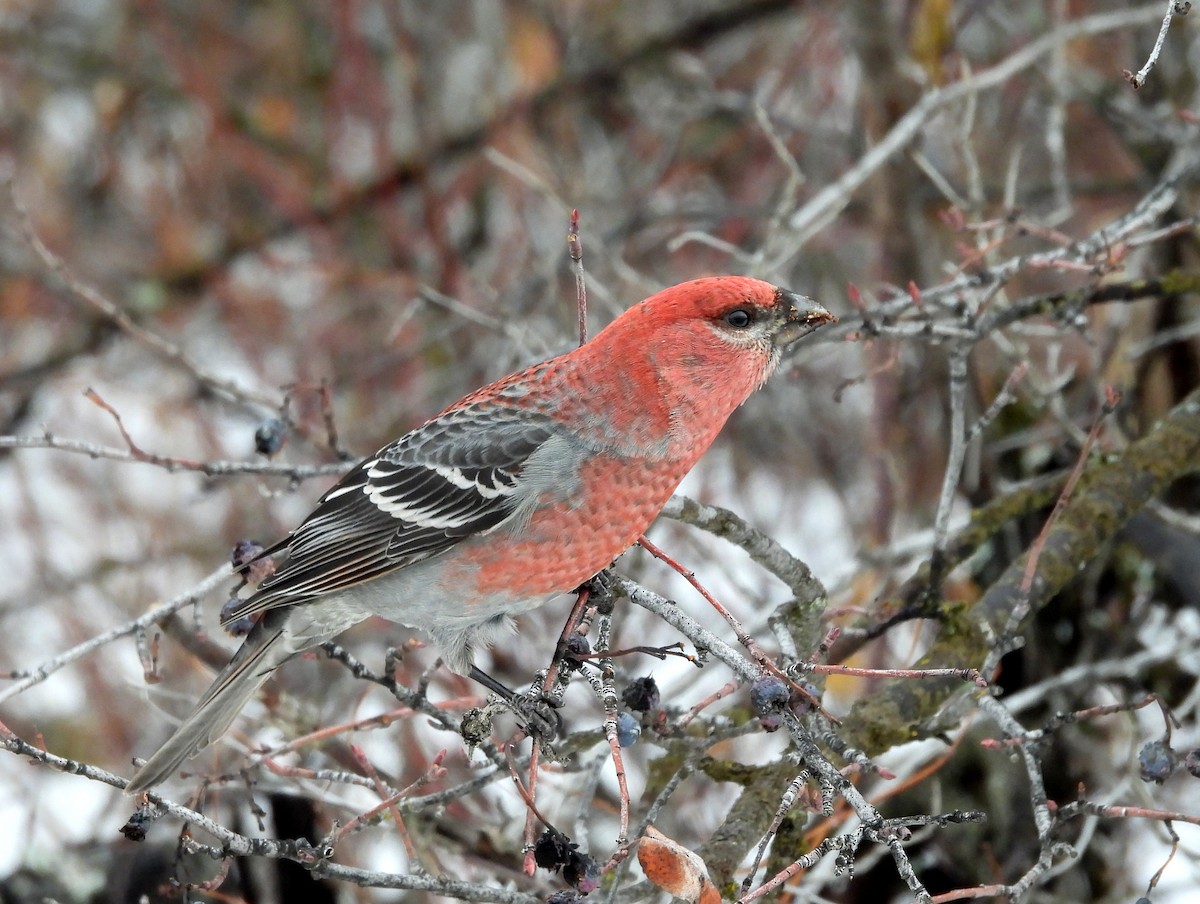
x=542 y=720
x=601 y=589
x=492 y=684
x=540 y=710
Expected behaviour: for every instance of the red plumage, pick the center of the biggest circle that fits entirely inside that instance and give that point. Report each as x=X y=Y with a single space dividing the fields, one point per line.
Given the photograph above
x=518 y=492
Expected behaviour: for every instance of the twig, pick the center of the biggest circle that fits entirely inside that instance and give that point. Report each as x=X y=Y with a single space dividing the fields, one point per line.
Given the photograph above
x=432 y=296
x=791 y=188
x=998 y=712
x=1003 y=398
x=94 y=299
x=138 y=454
x=326 y=777
x=553 y=687
x=846 y=844
x=763 y=549
x=1112 y=398
x=786 y=802
x=960 y=439
x=1174 y=8
x=1069 y=811
x=169 y=463
x=621 y=854
x=331 y=432
x=435 y=772
x=831 y=200
x=969 y=675
x=703 y=238
x=704 y=639
x=1091 y=712
x=1056 y=127
x=1125 y=666
x=719 y=694
x=608 y=695
x=575 y=248
x=744 y=637
x=956 y=456
x=28 y=678
x=882 y=318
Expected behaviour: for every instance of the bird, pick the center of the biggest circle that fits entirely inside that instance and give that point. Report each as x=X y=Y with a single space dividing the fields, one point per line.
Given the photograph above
x=518 y=492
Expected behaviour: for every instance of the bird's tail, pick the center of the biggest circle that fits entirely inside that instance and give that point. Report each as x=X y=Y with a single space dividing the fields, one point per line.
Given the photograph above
x=268 y=645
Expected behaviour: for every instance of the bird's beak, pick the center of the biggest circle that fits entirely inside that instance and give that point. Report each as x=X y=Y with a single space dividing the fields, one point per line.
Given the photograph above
x=802 y=316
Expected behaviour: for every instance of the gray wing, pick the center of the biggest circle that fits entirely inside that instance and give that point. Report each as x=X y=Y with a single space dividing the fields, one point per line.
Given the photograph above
x=458 y=475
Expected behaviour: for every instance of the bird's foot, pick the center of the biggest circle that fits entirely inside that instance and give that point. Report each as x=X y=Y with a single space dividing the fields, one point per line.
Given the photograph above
x=537 y=712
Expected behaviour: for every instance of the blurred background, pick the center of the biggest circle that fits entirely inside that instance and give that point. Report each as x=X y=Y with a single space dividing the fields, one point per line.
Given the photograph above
x=309 y=226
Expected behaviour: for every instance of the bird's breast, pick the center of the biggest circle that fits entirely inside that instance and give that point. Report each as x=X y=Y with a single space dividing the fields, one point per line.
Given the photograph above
x=565 y=538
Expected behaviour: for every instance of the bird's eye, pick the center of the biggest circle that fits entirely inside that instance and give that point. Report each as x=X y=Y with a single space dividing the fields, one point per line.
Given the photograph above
x=739 y=318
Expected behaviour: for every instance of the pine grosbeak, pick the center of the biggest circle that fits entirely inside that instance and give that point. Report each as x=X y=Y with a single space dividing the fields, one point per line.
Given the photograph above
x=520 y=491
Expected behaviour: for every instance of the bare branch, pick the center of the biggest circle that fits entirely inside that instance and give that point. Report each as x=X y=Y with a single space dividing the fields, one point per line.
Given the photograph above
x=1174 y=8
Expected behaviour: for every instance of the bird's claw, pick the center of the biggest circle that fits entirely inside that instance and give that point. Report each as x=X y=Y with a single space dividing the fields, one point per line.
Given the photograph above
x=601 y=588
x=540 y=716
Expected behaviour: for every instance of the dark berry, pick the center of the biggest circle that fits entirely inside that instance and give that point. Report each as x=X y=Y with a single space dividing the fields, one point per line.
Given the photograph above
x=244 y=551
x=802 y=703
x=770 y=722
x=1191 y=761
x=249 y=561
x=769 y=694
x=143 y=817
x=238 y=627
x=582 y=872
x=641 y=695
x=577 y=645
x=1157 y=761
x=270 y=436
x=628 y=729
x=552 y=849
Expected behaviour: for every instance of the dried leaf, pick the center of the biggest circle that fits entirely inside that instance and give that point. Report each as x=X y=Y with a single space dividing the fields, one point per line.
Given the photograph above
x=675 y=869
